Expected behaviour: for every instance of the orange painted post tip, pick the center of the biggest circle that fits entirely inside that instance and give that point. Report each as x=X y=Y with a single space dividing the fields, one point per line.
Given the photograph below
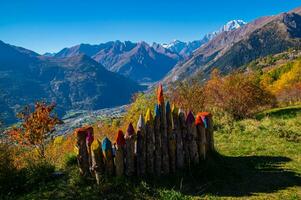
x=160 y=96
x=204 y=114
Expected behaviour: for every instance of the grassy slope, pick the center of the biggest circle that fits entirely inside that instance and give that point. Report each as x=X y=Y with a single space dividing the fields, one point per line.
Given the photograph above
x=266 y=155
x=256 y=160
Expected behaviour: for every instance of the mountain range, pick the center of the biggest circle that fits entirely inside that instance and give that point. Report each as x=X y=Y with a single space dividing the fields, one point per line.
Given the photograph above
x=229 y=50
x=137 y=61
x=84 y=76
x=140 y=61
x=76 y=82
x=98 y=76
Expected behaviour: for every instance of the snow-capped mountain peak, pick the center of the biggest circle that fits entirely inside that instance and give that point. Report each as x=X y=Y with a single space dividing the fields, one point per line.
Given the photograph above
x=232 y=25
x=173 y=43
x=187 y=48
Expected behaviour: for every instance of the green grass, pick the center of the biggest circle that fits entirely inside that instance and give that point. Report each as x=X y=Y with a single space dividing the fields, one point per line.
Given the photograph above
x=286 y=112
x=266 y=155
x=256 y=159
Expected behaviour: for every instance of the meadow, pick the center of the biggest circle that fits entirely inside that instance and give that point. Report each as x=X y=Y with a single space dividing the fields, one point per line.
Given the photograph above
x=258 y=158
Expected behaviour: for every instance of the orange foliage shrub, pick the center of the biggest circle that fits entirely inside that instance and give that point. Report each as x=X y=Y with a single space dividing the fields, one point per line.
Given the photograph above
x=237 y=94
x=36 y=126
x=57 y=150
x=188 y=95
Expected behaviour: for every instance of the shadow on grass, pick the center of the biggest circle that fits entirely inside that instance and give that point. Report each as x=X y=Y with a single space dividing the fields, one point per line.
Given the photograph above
x=233 y=176
x=219 y=176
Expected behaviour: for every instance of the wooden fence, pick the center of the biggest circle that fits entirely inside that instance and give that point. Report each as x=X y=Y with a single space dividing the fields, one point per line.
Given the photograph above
x=164 y=140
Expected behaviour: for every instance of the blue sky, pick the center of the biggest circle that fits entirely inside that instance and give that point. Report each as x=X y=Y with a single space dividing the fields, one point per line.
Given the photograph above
x=48 y=26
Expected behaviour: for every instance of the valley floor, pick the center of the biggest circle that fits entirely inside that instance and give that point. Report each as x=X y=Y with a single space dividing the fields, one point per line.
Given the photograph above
x=257 y=159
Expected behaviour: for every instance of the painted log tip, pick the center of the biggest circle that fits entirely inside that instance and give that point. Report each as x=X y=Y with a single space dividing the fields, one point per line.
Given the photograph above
x=190 y=118
x=130 y=130
x=167 y=107
x=160 y=96
x=120 y=138
x=204 y=114
x=96 y=145
x=205 y=121
x=199 y=121
x=148 y=116
x=174 y=109
x=181 y=112
x=106 y=144
x=140 y=123
x=157 y=110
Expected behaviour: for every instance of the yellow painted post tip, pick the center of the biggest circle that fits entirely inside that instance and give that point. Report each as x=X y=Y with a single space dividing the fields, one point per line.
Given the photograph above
x=96 y=145
x=148 y=115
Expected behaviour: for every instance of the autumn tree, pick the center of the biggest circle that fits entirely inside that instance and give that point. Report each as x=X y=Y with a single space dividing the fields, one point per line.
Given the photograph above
x=36 y=127
x=188 y=95
x=290 y=94
x=238 y=94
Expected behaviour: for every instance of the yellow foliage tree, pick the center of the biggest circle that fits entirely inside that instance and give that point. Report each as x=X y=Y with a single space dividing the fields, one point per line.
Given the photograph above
x=288 y=79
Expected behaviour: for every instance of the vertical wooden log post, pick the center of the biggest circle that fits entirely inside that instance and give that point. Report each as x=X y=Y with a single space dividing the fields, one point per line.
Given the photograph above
x=150 y=141
x=141 y=147
x=108 y=156
x=97 y=160
x=163 y=130
x=201 y=136
x=171 y=138
x=130 y=151
x=208 y=124
x=179 y=140
x=119 y=153
x=89 y=140
x=83 y=156
x=158 y=143
x=182 y=120
x=192 y=137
